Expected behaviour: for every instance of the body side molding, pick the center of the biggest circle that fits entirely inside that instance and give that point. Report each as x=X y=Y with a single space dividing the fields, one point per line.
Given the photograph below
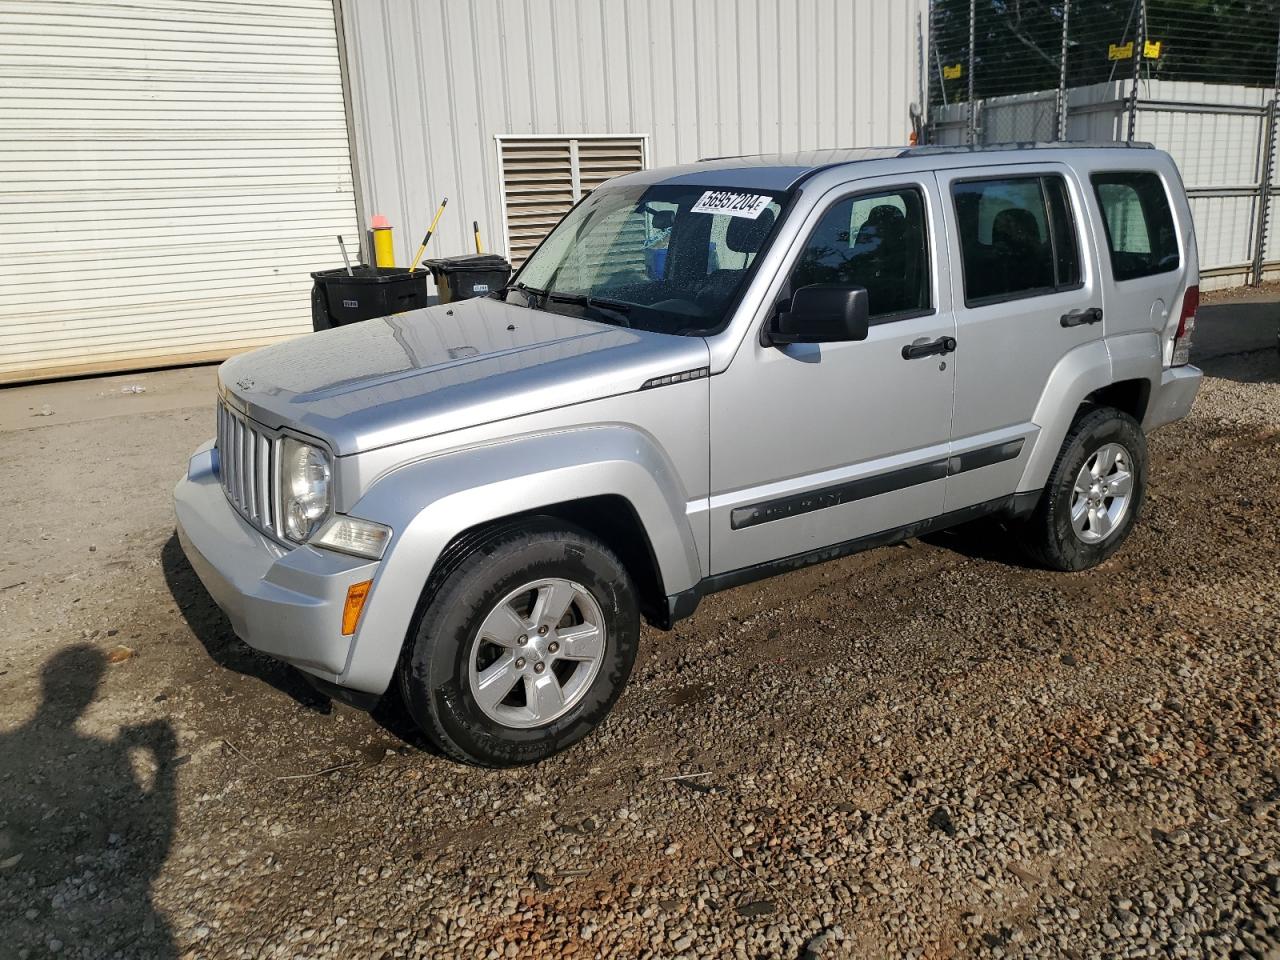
x=850 y=490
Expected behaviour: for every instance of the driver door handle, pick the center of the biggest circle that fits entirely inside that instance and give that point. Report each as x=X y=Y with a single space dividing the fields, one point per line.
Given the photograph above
x=1078 y=318
x=928 y=348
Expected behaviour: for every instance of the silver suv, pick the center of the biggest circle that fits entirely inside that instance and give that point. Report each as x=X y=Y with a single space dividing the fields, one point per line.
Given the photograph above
x=705 y=375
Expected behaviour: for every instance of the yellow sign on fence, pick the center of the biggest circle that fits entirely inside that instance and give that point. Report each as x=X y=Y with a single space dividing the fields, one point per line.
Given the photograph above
x=952 y=72
x=1124 y=51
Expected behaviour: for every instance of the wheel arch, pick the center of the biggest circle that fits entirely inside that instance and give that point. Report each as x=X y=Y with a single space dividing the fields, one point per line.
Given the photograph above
x=1129 y=396
x=612 y=481
x=1118 y=372
x=610 y=517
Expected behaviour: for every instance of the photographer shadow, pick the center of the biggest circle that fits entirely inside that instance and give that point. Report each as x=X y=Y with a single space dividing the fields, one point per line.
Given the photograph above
x=87 y=823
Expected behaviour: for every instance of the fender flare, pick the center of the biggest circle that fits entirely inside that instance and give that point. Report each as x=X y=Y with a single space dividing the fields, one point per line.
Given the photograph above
x=429 y=502
x=1089 y=367
x=1080 y=372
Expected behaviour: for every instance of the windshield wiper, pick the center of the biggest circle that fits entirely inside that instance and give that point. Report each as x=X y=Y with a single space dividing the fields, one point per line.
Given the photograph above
x=531 y=294
x=614 y=311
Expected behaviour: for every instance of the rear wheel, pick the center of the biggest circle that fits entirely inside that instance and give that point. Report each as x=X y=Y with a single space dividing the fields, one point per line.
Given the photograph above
x=524 y=646
x=1093 y=495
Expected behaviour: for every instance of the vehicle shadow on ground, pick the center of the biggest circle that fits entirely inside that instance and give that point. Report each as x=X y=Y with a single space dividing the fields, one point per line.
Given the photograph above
x=85 y=824
x=213 y=630
x=989 y=539
x=1257 y=366
x=393 y=716
x=1238 y=340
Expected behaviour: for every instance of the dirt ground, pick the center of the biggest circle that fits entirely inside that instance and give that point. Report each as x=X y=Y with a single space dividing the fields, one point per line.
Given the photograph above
x=928 y=750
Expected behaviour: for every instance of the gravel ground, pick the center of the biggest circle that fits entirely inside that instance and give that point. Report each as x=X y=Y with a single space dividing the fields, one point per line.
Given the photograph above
x=923 y=751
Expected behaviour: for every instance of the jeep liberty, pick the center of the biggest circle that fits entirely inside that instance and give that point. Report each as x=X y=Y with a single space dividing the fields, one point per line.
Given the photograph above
x=705 y=374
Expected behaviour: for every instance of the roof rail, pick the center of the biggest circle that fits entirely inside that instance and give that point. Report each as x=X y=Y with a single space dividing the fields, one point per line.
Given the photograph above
x=1029 y=145
x=854 y=154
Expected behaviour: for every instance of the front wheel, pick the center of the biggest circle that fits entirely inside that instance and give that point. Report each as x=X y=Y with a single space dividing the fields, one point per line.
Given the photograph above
x=1093 y=495
x=524 y=646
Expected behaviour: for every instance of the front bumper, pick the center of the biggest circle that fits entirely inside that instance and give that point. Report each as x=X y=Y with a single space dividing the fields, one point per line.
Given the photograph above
x=1172 y=400
x=284 y=602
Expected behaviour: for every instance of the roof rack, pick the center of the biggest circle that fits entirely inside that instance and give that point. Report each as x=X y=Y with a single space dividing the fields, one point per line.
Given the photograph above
x=855 y=154
x=931 y=148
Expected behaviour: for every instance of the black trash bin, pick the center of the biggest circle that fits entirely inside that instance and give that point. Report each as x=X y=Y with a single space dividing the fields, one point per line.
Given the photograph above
x=338 y=299
x=475 y=275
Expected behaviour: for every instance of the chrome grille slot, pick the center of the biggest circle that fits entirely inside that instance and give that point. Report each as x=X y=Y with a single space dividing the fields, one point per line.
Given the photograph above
x=247 y=457
x=233 y=448
x=265 y=450
x=249 y=472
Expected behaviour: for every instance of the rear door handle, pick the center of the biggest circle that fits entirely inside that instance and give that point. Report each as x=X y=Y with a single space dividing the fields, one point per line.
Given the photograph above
x=1078 y=318
x=928 y=348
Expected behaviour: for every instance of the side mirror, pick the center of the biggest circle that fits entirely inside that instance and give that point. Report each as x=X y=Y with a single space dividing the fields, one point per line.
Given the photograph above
x=822 y=313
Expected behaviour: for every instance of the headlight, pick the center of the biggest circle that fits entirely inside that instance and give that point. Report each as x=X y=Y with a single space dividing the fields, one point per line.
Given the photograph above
x=304 y=489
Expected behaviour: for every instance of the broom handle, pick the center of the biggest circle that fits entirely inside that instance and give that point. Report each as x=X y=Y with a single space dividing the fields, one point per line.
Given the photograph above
x=430 y=230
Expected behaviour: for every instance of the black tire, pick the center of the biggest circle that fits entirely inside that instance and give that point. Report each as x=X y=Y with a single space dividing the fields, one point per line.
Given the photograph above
x=434 y=675
x=1047 y=535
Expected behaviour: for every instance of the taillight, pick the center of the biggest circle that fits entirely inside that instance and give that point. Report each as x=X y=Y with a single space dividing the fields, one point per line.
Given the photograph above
x=1186 y=327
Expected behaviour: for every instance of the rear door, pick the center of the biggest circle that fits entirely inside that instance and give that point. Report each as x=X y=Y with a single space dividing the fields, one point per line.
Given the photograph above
x=1025 y=296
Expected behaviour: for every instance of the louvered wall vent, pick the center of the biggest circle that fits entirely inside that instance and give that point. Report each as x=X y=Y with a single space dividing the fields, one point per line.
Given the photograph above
x=542 y=177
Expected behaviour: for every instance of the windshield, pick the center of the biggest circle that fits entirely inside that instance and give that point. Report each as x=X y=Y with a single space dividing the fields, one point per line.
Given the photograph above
x=664 y=258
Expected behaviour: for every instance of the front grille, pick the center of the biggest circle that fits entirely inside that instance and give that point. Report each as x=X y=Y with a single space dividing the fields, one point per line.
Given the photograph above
x=247 y=468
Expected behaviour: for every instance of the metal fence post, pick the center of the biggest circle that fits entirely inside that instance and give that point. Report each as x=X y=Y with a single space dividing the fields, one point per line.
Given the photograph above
x=920 y=125
x=1268 y=171
x=1138 y=44
x=1060 y=120
x=935 y=55
x=973 y=119
x=1264 y=195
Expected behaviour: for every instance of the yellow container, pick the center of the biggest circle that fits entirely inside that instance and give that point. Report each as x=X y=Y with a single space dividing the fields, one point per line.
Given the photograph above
x=384 y=248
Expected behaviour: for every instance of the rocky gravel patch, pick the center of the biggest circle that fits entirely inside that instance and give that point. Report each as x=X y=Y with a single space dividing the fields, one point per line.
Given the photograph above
x=927 y=750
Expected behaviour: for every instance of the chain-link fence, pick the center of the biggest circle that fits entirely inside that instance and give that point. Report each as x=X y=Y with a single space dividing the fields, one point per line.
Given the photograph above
x=1196 y=77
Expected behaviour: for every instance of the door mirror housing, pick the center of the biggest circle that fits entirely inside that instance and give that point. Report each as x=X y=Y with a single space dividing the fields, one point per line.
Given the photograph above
x=822 y=313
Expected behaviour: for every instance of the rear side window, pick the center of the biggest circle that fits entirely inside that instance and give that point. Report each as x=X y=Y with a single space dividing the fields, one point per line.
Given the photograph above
x=1139 y=223
x=1017 y=238
x=877 y=241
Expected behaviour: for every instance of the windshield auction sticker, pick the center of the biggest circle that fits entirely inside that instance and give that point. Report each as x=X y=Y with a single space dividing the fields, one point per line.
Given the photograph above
x=749 y=205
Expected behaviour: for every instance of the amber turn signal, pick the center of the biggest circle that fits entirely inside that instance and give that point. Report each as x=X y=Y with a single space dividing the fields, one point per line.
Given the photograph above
x=357 y=593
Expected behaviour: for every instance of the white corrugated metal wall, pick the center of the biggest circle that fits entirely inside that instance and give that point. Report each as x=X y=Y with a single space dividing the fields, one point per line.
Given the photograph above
x=170 y=172
x=434 y=81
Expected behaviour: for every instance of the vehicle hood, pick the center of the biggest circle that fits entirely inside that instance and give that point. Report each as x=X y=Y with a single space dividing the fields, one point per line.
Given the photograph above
x=443 y=368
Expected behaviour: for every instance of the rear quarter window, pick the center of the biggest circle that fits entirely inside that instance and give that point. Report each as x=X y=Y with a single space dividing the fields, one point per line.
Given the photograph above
x=1138 y=220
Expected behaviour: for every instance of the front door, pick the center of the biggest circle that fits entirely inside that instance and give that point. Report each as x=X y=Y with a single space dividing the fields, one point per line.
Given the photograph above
x=813 y=445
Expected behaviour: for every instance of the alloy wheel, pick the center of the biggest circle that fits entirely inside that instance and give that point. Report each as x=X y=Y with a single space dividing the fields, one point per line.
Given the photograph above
x=537 y=652
x=1102 y=494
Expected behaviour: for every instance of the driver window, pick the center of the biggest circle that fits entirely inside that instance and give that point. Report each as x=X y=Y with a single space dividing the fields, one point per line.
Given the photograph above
x=877 y=241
